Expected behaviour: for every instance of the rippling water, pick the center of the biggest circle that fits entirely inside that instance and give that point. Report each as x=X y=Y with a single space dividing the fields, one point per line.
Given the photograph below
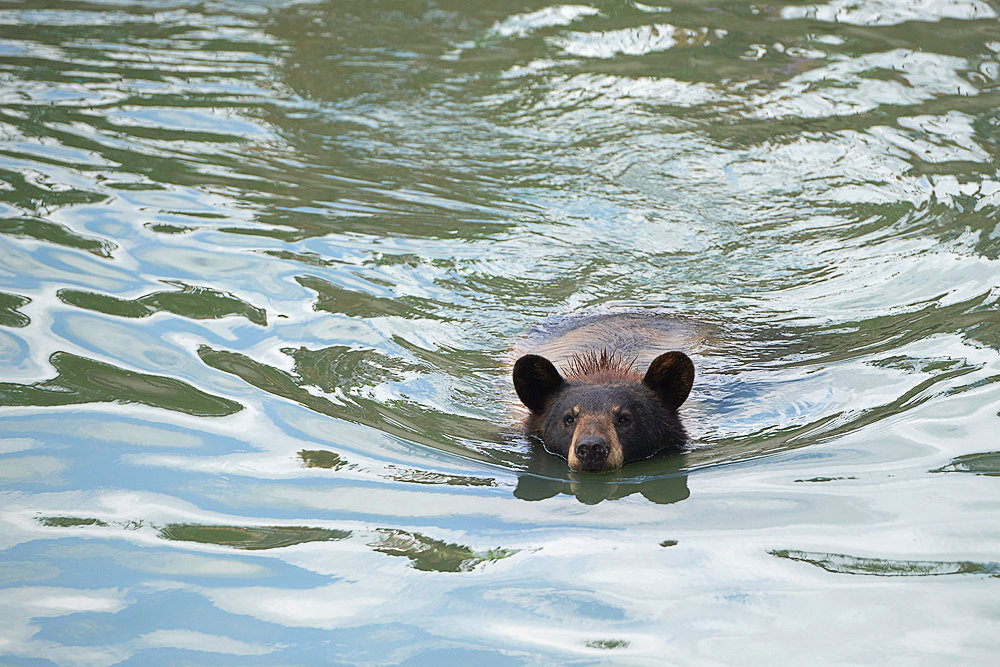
x=263 y=265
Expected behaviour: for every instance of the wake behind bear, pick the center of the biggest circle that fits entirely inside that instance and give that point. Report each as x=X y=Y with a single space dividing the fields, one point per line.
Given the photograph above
x=610 y=403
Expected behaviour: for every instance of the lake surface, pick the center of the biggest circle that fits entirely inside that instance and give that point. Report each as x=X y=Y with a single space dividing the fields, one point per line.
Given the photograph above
x=262 y=266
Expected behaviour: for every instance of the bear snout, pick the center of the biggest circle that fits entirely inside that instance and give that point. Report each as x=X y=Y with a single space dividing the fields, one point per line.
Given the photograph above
x=591 y=451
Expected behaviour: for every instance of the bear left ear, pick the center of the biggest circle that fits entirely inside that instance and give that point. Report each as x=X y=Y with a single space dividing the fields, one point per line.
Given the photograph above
x=535 y=380
x=670 y=376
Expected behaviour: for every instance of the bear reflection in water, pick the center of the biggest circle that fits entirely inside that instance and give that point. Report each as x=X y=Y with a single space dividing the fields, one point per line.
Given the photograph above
x=661 y=480
x=603 y=390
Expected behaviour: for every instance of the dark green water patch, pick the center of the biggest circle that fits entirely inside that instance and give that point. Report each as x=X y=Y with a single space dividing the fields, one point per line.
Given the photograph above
x=9 y=315
x=51 y=232
x=969 y=222
x=83 y=380
x=608 y=643
x=433 y=555
x=341 y=366
x=985 y=463
x=326 y=459
x=455 y=361
x=882 y=567
x=336 y=299
x=416 y=423
x=428 y=477
x=28 y=196
x=134 y=187
x=321 y=458
x=424 y=553
x=80 y=522
x=784 y=438
x=69 y=521
x=975 y=318
x=164 y=228
x=308 y=258
x=250 y=538
x=199 y=303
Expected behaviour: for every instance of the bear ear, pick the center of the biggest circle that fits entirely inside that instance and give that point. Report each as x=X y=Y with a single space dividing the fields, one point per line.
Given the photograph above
x=535 y=380
x=670 y=376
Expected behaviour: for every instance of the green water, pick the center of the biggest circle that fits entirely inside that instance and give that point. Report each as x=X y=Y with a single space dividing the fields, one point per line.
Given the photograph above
x=262 y=266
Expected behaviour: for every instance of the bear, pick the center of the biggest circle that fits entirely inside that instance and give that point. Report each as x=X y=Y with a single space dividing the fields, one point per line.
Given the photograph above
x=601 y=411
x=660 y=480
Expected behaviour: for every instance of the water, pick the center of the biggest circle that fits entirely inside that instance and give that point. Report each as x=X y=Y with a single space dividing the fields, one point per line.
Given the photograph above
x=264 y=264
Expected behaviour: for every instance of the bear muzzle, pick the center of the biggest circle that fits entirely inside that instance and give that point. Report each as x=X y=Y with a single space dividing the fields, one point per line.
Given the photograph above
x=595 y=446
x=592 y=452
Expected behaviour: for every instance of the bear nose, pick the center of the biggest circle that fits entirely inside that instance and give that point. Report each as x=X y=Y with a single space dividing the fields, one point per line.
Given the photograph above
x=591 y=449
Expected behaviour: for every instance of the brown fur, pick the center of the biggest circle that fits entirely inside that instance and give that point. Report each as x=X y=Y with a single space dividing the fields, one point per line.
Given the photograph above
x=601 y=368
x=601 y=425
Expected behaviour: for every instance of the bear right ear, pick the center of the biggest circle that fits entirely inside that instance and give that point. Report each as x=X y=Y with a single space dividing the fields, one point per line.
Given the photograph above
x=535 y=380
x=670 y=376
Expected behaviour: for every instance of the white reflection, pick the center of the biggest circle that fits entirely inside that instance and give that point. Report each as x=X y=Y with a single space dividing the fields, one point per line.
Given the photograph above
x=633 y=41
x=12 y=349
x=844 y=86
x=188 y=565
x=605 y=91
x=890 y=12
x=10 y=445
x=192 y=640
x=520 y=25
x=139 y=435
x=42 y=469
x=22 y=572
x=343 y=604
x=190 y=120
x=20 y=606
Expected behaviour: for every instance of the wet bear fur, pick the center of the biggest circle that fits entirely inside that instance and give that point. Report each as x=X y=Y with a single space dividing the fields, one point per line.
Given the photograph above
x=599 y=412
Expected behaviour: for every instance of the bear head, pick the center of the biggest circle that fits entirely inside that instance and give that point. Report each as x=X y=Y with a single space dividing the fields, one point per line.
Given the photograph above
x=602 y=414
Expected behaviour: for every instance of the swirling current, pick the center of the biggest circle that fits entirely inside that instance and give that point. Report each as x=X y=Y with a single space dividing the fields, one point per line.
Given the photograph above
x=263 y=266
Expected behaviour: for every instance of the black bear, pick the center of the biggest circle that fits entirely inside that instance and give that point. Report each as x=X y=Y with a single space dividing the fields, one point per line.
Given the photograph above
x=602 y=411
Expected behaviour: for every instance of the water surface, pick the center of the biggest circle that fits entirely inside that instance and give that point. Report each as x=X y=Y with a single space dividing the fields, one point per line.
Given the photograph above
x=263 y=266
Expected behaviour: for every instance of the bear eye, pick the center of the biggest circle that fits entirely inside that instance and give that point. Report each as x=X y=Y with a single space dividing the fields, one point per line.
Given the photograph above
x=568 y=420
x=623 y=419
